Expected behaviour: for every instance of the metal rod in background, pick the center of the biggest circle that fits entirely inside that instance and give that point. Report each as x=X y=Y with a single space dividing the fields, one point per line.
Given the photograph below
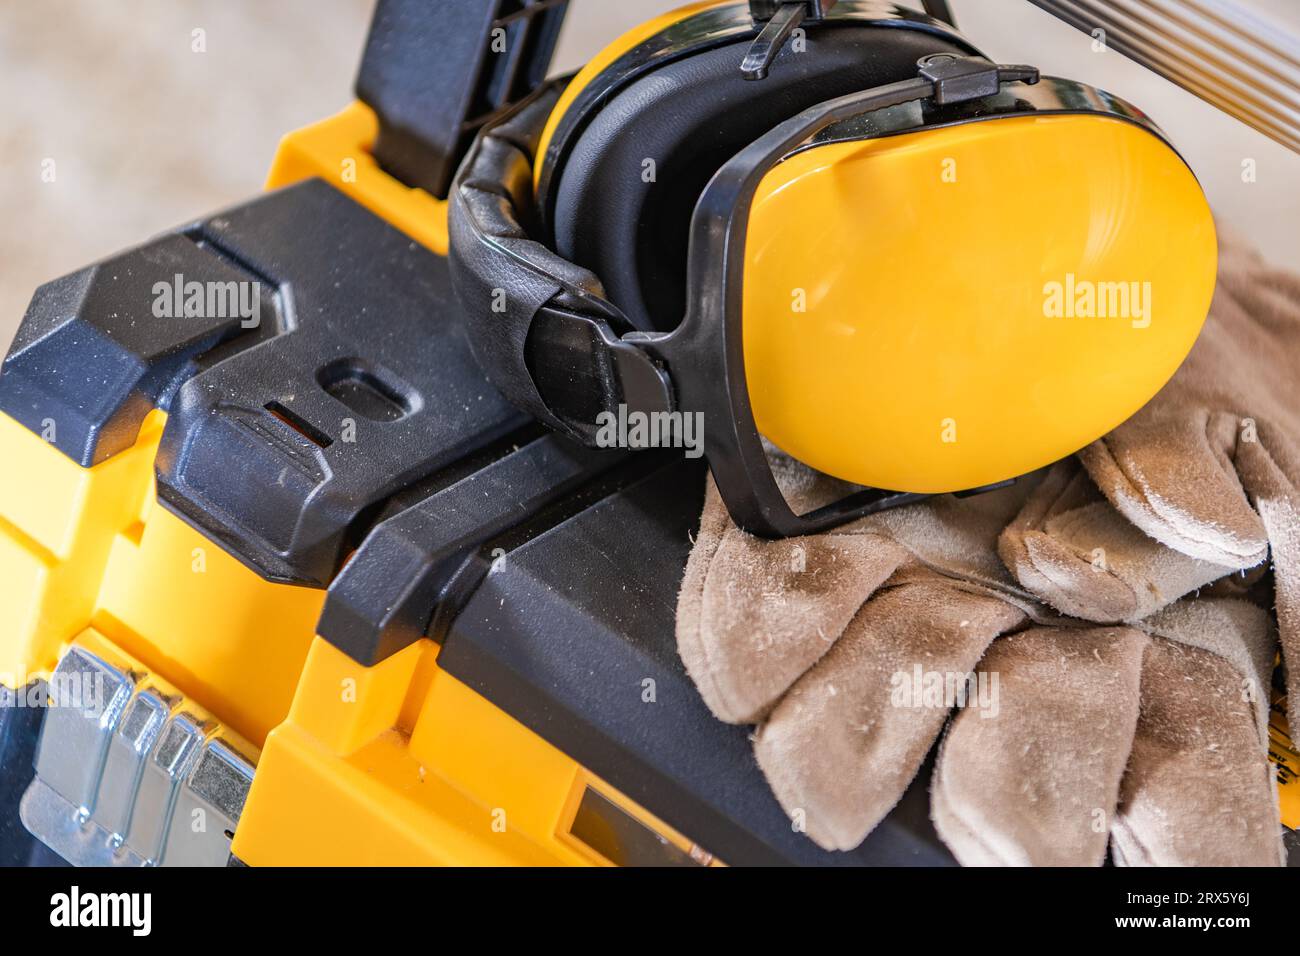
x=939 y=10
x=1223 y=51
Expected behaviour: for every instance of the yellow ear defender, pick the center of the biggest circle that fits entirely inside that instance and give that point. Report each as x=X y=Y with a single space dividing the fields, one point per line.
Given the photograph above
x=838 y=227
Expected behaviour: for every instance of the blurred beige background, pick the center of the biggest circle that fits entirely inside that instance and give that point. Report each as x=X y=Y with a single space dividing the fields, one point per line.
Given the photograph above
x=144 y=133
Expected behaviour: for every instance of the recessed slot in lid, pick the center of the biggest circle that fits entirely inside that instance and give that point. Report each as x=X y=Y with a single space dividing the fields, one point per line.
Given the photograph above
x=368 y=391
x=299 y=424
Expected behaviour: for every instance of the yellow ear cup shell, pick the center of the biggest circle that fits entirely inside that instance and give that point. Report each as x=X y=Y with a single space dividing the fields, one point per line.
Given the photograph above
x=948 y=308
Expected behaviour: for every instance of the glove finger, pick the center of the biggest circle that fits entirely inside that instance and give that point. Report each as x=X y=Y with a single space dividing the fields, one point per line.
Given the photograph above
x=1169 y=475
x=1265 y=469
x=841 y=747
x=1199 y=789
x=1243 y=364
x=753 y=615
x=1037 y=783
x=1265 y=302
x=1070 y=548
x=1169 y=469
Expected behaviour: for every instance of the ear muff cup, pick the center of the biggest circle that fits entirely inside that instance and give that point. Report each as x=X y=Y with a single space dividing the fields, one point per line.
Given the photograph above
x=690 y=116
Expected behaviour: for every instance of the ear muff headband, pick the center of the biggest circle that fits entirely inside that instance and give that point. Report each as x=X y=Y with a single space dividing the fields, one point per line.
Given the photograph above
x=544 y=331
x=558 y=348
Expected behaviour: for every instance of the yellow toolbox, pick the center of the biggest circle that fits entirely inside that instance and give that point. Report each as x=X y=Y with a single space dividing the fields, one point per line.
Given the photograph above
x=284 y=580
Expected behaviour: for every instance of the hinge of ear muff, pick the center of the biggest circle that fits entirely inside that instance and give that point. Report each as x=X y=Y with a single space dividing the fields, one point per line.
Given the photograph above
x=957 y=79
x=587 y=370
x=780 y=18
x=435 y=71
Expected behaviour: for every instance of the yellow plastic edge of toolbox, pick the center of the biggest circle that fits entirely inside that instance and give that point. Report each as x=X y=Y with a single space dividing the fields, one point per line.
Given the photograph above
x=84 y=548
x=401 y=764
x=338 y=150
x=1286 y=760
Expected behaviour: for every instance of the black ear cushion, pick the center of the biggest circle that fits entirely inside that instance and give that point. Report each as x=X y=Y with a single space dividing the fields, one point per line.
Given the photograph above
x=689 y=117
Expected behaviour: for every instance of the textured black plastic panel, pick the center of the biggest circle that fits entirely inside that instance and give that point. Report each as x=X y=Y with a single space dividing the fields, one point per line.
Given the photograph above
x=271 y=450
x=90 y=359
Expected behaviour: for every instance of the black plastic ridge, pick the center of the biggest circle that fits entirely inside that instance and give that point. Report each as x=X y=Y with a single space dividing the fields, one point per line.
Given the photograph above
x=385 y=596
x=435 y=71
x=90 y=360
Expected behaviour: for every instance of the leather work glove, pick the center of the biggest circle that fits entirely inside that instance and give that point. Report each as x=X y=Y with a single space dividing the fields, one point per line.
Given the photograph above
x=1153 y=741
x=1203 y=479
x=833 y=643
x=804 y=636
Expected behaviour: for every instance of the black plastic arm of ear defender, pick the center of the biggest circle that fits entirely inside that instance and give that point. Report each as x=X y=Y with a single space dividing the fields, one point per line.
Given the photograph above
x=436 y=71
x=780 y=18
x=957 y=79
x=939 y=10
